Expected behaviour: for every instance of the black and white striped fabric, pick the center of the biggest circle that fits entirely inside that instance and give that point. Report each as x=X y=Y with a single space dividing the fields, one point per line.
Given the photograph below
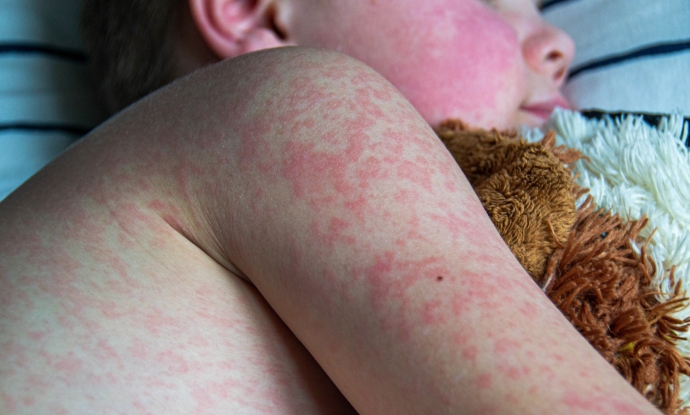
x=632 y=55
x=46 y=102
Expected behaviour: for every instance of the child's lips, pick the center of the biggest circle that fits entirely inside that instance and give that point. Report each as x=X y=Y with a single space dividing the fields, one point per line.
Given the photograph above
x=544 y=109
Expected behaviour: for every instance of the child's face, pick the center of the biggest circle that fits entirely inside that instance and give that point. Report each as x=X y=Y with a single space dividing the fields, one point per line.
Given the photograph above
x=492 y=63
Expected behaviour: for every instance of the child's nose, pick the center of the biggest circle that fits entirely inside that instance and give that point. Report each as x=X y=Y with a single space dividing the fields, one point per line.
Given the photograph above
x=549 y=51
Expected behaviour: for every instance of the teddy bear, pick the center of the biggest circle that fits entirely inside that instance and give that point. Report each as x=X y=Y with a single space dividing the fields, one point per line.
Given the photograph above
x=581 y=257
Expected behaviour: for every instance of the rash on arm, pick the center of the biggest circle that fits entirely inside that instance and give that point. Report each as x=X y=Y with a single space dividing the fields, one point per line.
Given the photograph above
x=358 y=228
x=311 y=177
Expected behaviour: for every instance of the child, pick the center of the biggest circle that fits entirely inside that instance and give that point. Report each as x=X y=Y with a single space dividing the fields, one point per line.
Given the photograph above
x=282 y=232
x=493 y=63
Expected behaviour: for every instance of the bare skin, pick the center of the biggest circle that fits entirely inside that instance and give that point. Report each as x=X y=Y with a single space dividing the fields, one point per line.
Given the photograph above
x=193 y=256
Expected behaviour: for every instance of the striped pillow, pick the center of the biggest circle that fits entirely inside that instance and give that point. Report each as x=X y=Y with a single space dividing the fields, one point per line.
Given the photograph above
x=632 y=55
x=46 y=102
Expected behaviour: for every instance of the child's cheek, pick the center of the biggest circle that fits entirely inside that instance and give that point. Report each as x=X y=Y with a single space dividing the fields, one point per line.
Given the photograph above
x=467 y=65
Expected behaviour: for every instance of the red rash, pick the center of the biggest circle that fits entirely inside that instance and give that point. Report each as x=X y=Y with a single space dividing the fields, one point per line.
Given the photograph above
x=470 y=353
x=484 y=381
x=506 y=346
x=432 y=313
x=416 y=172
x=334 y=234
x=313 y=172
x=575 y=400
x=514 y=372
x=389 y=279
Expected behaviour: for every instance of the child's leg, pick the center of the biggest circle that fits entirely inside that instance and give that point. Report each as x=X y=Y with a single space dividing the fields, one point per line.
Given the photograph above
x=309 y=174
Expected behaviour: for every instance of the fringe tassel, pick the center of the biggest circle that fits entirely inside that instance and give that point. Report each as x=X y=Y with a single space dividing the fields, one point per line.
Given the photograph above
x=605 y=289
x=596 y=268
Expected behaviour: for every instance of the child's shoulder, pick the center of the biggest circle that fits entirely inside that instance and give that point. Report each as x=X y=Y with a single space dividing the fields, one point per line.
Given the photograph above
x=295 y=61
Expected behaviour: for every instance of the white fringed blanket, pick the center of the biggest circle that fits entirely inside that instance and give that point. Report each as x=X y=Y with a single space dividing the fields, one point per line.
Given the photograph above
x=635 y=170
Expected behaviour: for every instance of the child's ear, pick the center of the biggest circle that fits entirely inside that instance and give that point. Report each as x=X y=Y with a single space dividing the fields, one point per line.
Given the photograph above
x=234 y=27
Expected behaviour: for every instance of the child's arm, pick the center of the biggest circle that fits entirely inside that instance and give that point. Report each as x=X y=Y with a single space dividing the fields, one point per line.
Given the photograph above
x=309 y=175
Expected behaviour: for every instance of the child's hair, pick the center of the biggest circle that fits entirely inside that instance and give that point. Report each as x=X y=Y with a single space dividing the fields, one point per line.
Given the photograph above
x=130 y=46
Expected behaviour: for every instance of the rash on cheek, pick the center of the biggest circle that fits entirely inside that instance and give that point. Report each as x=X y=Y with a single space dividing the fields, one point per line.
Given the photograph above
x=468 y=66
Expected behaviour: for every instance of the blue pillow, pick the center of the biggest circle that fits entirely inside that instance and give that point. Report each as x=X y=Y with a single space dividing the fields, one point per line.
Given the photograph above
x=46 y=101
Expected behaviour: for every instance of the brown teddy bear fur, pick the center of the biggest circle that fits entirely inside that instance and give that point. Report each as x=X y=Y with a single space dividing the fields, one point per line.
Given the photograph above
x=606 y=292
x=526 y=190
x=582 y=258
